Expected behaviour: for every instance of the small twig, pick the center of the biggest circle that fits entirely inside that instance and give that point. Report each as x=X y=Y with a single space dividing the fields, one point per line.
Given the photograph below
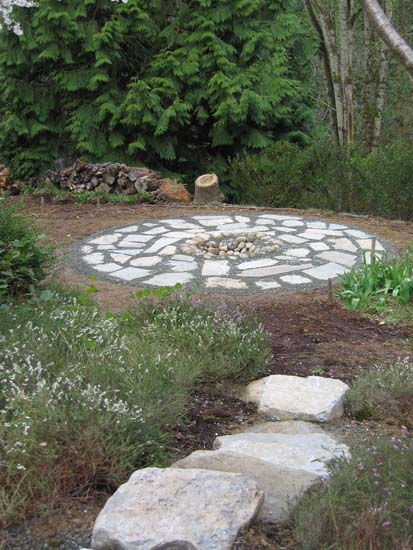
x=373 y=250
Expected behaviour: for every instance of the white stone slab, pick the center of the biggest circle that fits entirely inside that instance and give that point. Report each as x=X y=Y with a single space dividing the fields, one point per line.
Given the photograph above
x=161 y=243
x=177 y=508
x=317 y=225
x=108 y=268
x=168 y=250
x=291 y=239
x=178 y=235
x=275 y=270
x=221 y=282
x=94 y=258
x=130 y=244
x=216 y=222
x=279 y=217
x=182 y=267
x=131 y=273
x=357 y=234
x=319 y=246
x=130 y=229
x=267 y=221
x=368 y=257
x=138 y=238
x=338 y=257
x=131 y=251
x=334 y=226
x=295 y=452
x=169 y=279
x=157 y=231
x=326 y=271
x=183 y=258
x=244 y=231
x=211 y=217
x=242 y=219
x=312 y=234
x=146 y=261
x=298 y=252
x=292 y=223
x=215 y=268
x=343 y=244
x=107 y=239
x=265 y=262
x=120 y=258
x=104 y=246
x=87 y=249
x=282 y=397
x=295 y=280
x=267 y=285
x=366 y=244
x=179 y=224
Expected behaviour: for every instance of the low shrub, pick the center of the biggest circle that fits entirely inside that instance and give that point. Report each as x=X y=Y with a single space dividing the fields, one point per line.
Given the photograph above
x=326 y=176
x=365 y=504
x=379 y=279
x=383 y=392
x=24 y=259
x=86 y=398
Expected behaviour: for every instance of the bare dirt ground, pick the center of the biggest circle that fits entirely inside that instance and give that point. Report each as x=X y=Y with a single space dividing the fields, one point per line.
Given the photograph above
x=307 y=335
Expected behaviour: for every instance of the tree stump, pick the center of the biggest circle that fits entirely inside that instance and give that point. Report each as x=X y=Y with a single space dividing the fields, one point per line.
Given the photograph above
x=207 y=190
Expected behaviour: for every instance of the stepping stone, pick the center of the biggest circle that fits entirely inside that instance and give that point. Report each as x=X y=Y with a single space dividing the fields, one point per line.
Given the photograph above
x=181 y=267
x=95 y=258
x=107 y=239
x=132 y=239
x=130 y=229
x=265 y=262
x=202 y=508
x=356 y=233
x=338 y=257
x=276 y=270
x=308 y=453
x=168 y=251
x=292 y=223
x=161 y=243
x=344 y=244
x=216 y=222
x=282 y=486
x=108 y=268
x=319 y=246
x=298 y=252
x=291 y=239
x=121 y=258
x=366 y=244
x=285 y=397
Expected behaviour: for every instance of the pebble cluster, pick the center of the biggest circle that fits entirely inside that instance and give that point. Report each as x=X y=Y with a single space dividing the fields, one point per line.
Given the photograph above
x=227 y=245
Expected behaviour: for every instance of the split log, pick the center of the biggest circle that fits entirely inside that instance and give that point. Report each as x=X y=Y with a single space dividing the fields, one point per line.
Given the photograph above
x=207 y=190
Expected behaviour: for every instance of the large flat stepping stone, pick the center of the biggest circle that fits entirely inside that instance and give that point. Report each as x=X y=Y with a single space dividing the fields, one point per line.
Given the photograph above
x=282 y=488
x=309 y=453
x=285 y=397
x=195 y=509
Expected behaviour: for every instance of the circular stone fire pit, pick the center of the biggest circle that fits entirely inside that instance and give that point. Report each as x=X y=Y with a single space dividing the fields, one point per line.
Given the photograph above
x=227 y=252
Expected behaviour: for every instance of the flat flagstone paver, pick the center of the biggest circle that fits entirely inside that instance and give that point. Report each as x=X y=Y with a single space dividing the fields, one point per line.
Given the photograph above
x=167 y=251
x=284 y=397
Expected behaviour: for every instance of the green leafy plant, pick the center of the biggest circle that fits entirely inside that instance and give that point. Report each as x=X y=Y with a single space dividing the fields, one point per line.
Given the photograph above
x=376 y=281
x=24 y=258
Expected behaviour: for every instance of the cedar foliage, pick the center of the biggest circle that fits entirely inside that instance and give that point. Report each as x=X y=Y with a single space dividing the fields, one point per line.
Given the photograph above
x=156 y=81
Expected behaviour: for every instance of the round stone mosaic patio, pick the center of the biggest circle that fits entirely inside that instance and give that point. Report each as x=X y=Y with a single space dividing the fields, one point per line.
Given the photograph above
x=244 y=253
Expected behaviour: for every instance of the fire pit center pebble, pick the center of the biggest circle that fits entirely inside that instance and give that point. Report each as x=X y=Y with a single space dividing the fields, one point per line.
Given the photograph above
x=226 y=244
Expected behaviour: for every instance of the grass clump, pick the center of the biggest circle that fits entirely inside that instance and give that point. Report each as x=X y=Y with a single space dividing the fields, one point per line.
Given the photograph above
x=383 y=392
x=86 y=398
x=24 y=259
x=366 y=503
x=380 y=280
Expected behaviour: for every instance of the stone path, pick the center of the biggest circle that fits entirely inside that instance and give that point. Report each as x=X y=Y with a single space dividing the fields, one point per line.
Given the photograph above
x=269 y=252
x=204 y=500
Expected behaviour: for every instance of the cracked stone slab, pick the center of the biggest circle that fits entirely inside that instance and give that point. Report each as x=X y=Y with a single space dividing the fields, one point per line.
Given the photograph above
x=203 y=508
x=284 y=397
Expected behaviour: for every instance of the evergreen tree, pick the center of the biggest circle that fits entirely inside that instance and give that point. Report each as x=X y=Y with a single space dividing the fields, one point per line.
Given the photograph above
x=150 y=81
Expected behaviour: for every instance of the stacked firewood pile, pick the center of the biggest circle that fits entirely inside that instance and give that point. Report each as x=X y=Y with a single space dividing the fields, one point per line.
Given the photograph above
x=119 y=179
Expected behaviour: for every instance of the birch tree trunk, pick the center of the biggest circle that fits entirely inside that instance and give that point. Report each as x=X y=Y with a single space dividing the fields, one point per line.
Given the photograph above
x=388 y=33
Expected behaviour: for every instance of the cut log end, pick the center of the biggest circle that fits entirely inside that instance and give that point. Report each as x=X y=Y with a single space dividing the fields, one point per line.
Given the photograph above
x=207 y=190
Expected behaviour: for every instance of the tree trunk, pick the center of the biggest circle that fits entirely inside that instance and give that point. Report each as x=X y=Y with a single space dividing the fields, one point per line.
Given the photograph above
x=388 y=33
x=207 y=190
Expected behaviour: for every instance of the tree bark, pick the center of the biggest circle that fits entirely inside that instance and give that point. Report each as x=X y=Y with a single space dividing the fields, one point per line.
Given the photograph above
x=388 y=33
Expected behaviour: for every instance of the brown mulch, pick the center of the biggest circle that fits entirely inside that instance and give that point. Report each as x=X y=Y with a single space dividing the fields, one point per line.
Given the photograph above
x=306 y=333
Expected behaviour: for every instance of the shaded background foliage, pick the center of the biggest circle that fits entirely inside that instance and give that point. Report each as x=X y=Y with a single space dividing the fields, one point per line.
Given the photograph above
x=162 y=83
